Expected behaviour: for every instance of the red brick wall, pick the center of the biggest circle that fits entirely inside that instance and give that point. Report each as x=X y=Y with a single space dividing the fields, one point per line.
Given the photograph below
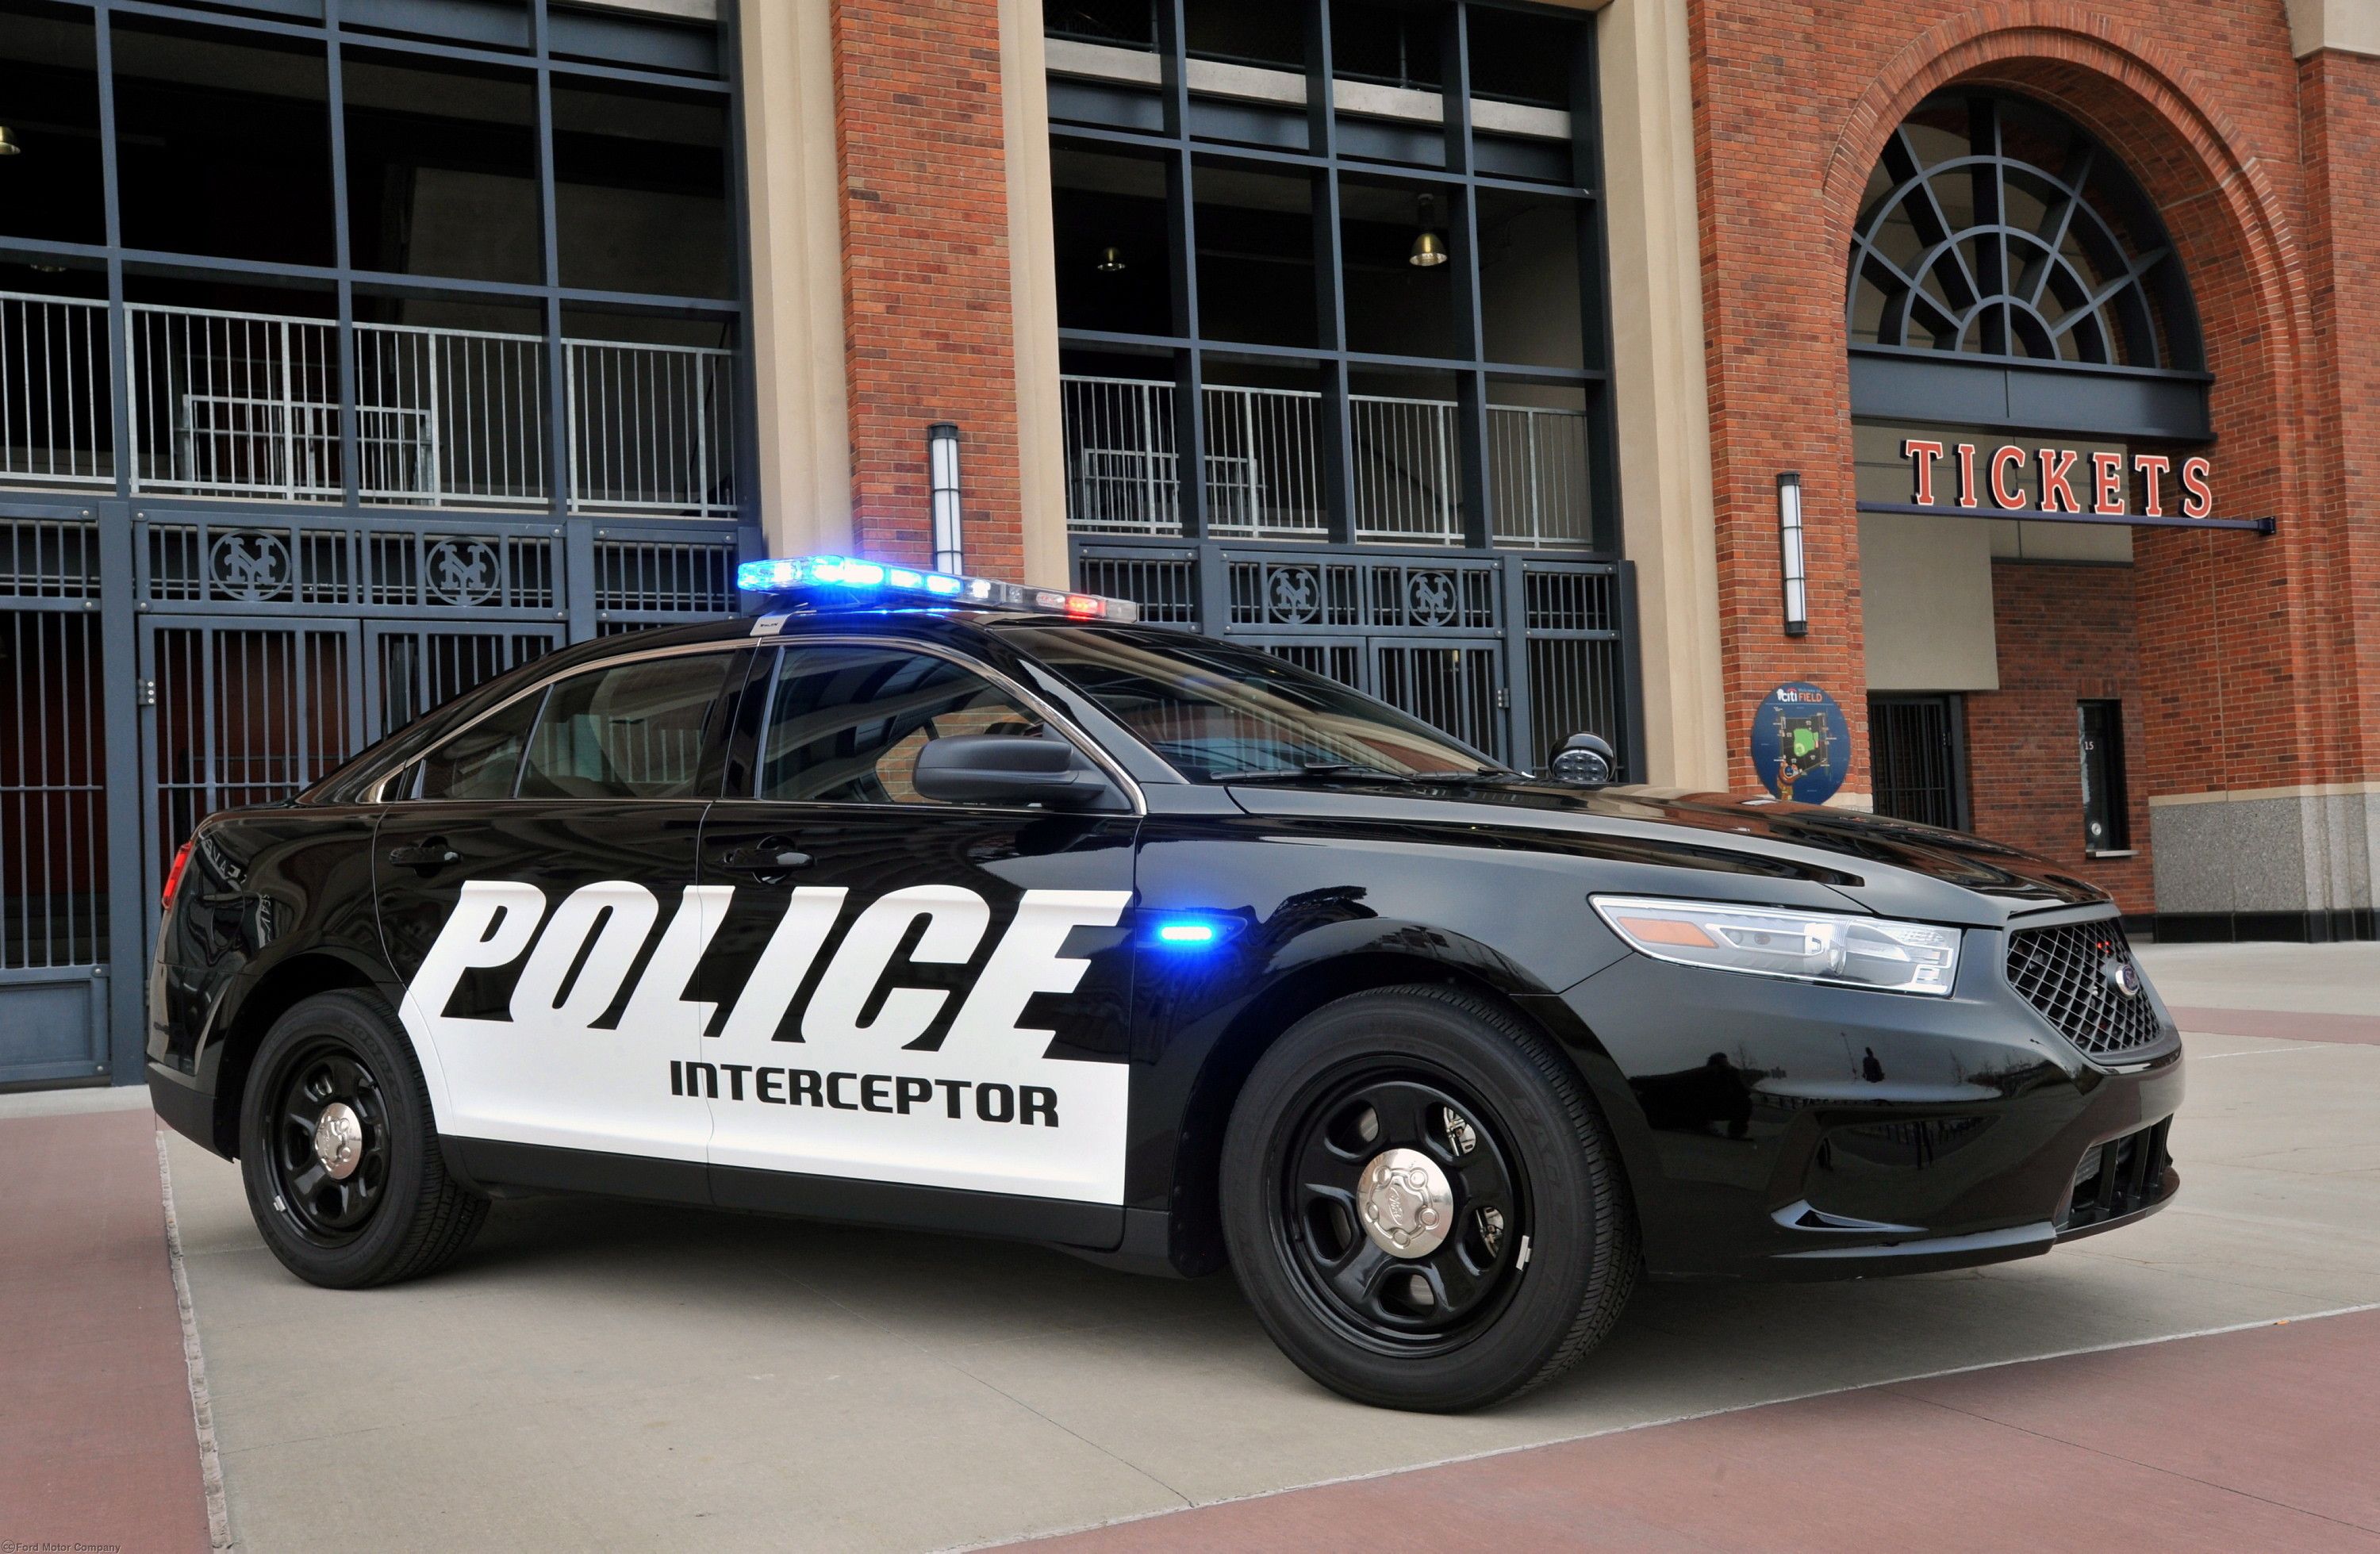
x=2340 y=109
x=928 y=325
x=1792 y=103
x=2067 y=634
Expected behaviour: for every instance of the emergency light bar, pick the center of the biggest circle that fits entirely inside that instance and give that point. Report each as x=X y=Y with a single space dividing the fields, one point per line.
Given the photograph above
x=827 y=580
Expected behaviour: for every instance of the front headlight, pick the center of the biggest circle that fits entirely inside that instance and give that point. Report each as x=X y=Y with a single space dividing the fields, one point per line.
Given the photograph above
x=1838 y=948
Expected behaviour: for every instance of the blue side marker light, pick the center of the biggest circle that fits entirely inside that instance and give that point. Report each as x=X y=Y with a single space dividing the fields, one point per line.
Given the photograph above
x=1185 y=933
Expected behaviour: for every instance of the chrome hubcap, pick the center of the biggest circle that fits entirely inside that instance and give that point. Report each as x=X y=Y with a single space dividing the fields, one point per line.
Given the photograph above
x=339 y=1140
x=1406 y=1202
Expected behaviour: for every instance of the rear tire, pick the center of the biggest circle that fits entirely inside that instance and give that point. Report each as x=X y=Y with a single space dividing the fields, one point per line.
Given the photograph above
x=368 y=1201
x=1501 y=1245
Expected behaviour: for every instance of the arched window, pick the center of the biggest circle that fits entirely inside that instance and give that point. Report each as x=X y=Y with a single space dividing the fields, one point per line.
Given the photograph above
x=1995 y=226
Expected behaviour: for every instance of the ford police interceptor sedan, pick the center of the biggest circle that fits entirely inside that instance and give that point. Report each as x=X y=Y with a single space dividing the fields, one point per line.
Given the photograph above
x=940 y=902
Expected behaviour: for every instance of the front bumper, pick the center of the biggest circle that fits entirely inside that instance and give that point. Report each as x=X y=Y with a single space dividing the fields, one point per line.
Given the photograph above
x=1786 y=1130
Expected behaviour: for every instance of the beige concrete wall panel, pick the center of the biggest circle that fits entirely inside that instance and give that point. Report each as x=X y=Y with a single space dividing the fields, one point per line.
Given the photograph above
x=1926 y=595
x=801 y=399
x=1033 y=259
x=1658 y=384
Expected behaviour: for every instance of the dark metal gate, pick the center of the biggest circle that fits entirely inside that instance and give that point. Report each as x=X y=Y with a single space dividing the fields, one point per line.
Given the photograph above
x=1917 y=748
x=159 y=663
x=1509 y=652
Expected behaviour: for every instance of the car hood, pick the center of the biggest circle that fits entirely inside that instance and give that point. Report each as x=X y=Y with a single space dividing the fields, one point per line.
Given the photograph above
x=1896 y=868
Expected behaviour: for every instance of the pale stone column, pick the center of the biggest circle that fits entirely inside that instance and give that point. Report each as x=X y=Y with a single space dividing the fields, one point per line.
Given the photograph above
x=1033 y=261
x=1659 y=385
x=801 y=403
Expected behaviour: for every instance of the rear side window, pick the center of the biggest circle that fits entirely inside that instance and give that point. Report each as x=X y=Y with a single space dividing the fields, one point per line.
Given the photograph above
x=482 y=760
x=636 y=730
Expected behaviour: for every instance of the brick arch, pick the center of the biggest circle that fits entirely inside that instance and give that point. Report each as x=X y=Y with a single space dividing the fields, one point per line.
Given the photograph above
x=2242 y=614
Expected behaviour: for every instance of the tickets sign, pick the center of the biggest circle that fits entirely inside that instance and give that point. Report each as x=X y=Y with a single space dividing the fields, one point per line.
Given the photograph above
x=1961 y=475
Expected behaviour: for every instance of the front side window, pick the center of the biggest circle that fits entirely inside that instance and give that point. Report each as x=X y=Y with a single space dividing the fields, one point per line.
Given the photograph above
x=1219 y=713
x=845 y=724
x=482 y=760
x=635 y=730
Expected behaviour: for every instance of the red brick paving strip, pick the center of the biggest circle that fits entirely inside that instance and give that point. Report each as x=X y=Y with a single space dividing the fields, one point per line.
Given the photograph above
x=2278 y=1024
x=2253 y=1439
x=97 y=1444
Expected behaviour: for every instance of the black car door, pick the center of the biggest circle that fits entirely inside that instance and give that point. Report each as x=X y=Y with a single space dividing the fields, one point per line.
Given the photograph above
x=909 y=992
x=536 y=896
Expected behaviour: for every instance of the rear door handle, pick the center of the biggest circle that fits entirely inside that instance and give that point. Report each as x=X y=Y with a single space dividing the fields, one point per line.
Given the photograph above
x=432 y=854
x=772 y=857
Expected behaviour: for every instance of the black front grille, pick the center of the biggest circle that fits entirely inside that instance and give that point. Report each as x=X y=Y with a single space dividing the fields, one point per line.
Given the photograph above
x=2069 y=974
x=2119 y=1177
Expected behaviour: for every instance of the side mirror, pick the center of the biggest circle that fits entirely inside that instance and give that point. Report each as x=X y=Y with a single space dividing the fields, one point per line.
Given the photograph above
x=1586 y=761
x=1007 y=769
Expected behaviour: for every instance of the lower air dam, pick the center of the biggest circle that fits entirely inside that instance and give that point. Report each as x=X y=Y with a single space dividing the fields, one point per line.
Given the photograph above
x=897 y=1094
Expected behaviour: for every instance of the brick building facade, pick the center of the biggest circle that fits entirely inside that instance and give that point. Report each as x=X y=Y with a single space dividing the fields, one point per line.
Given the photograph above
x=1741 y=142
x=1464 y=350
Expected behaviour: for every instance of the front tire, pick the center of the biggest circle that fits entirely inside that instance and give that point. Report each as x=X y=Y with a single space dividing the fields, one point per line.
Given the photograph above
x=1423 y=1203
x=340 y=1161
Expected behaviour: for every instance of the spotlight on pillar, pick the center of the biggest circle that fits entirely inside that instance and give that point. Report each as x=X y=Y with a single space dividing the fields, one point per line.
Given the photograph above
x=943 y=464
x=1789 y=535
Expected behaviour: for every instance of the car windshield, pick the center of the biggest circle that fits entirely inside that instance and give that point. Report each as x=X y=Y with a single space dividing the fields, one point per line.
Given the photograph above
x=1222 y=713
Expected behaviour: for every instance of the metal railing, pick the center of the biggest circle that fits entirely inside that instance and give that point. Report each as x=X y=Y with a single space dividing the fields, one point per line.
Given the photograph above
x=1264 y=468
x=54 y=390
x=227 y=404
x=450 y=417
x=652 y=427
x=247 y=405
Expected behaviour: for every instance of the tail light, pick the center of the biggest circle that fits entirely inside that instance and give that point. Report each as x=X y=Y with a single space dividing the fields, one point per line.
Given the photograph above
x=174 y=874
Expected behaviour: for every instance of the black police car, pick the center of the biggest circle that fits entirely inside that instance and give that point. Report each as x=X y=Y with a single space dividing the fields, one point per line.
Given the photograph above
x=940 y=903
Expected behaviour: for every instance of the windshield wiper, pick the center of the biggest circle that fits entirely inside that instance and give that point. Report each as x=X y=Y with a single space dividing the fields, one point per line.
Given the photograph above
x=1325 y=771
x=1312 y=771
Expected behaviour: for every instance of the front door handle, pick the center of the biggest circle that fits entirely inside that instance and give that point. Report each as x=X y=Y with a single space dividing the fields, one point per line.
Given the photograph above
x=432 y=854
x=775 y=855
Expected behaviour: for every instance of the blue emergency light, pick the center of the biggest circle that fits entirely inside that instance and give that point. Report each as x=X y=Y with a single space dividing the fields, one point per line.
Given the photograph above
x=827 y=580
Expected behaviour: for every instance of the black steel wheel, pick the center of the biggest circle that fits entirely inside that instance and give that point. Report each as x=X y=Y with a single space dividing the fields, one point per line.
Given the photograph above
x=341 y=1166
x=328 y=1150
x=1404 y=1212
x=1422 y=1201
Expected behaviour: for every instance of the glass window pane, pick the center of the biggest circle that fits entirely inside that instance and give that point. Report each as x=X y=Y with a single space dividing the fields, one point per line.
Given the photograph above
x=52 y=188
x=1401 y=292
x=1117 y=23
x=640 y=192
x=1243 y=33
x=845 y=724
x=1388 y=42
x=441 y=172
x=1520 y=58
x=223 y=144
x=1256 y=256
x=1530 y=285
x=634 y=730
x=482 y=760
x=1114 y=254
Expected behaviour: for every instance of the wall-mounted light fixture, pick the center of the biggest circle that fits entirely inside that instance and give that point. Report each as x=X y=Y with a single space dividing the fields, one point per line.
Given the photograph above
x=942 y=469
x=1788 y=537
x=1110 y=260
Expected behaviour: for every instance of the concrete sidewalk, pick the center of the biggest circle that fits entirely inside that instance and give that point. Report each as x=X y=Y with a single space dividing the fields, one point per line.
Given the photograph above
x=610 y=1375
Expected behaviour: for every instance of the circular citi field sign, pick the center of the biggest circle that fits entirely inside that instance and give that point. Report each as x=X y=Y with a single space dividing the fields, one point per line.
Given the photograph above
x=1800 y=742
